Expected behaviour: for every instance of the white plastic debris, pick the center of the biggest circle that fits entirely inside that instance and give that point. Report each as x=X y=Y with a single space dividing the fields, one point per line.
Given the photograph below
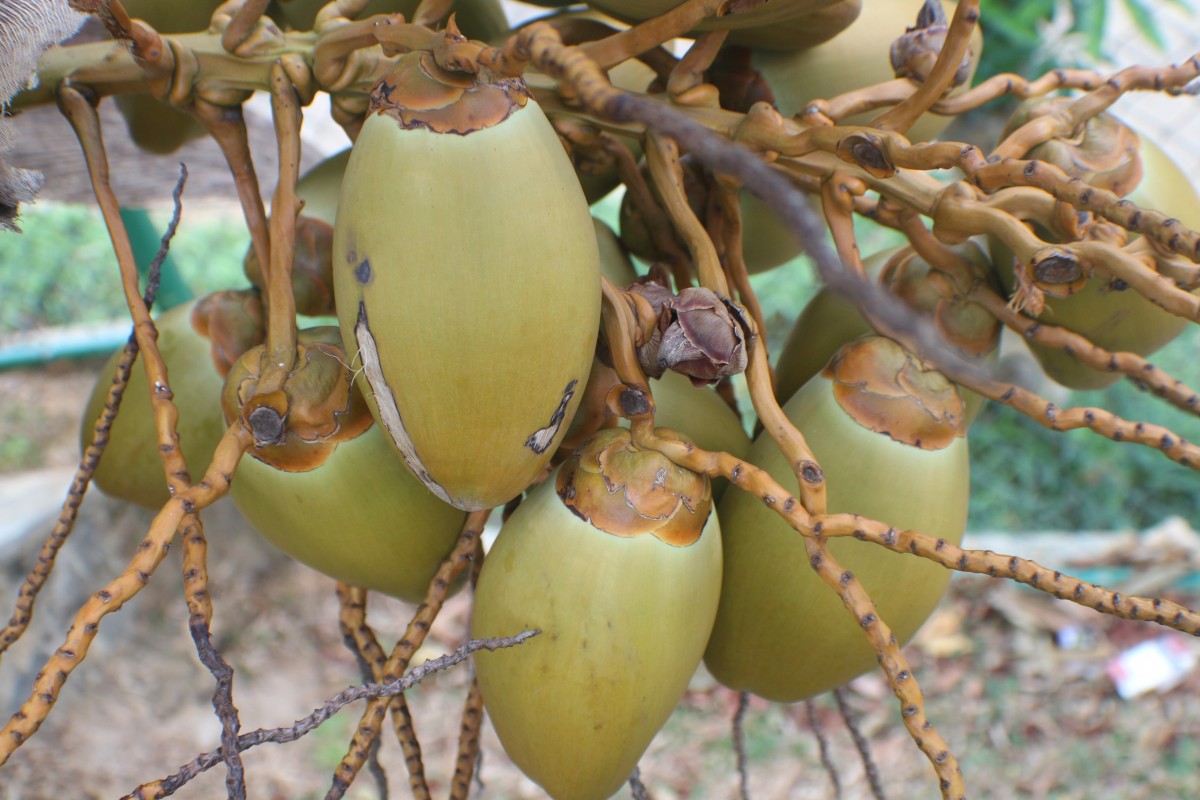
x=1159 y=665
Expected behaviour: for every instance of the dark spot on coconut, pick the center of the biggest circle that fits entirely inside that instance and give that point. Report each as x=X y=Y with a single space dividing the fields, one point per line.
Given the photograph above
x=362 y=273
x=811 y=473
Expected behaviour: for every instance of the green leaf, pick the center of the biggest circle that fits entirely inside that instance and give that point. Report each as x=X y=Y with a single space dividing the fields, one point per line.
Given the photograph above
x=1144 y=19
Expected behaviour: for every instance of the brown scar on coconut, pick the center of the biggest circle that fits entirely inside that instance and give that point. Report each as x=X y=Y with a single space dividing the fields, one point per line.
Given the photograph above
x=389 y=412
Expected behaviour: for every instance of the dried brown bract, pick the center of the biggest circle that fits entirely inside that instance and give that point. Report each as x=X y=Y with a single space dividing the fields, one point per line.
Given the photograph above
x=699 y=334
x=914 y=53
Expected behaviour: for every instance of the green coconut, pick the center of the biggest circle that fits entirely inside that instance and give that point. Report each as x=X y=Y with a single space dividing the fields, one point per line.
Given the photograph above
x=467 y=277
x=1108 y=312
x=359 y=517
x=131 y=468
x=623 y=587
x=781 y=632
x=855 y=58
x=829 y=320
x=775 y=25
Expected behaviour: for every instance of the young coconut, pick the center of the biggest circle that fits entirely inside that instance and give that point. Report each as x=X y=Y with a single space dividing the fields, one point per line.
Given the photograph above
x=459 y=214
x=617 y=561
x=333 y=494
x=858 y=57
x=887 y=433
x=1109 y=154
x=830 y=320
x=131 y=468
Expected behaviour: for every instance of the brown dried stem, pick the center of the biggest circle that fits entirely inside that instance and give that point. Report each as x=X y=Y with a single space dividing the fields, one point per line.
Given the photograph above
x=367 y=730
x=242 y=24
x=1009 y=83
x=860 y=743
x=1066 y=120
x=818 y=729
x=150 y=553
x=430 y=12
x=285 y=207
x=662 y=155
x=468 y=743
x=739 y=745
x=609 y=52
x=686 y=83
x=301 y=727
x=903 y=115
x=1136 y=368
x=735 y=262
x=361 y=642
x=227 y=126
x=27 y=596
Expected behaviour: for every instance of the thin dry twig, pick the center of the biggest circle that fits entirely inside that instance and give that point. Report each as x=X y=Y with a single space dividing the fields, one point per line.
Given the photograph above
x=301 y=727
x=739 y=744
x=818 y=729
x=368 y=728
x=27 y=595
x=860 y=743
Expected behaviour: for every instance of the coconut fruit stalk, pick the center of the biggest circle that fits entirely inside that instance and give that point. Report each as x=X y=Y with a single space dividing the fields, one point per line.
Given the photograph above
x=886 y=432
x=617 y=561
x=467 y=279
x=1105 y=310
x=131 y=467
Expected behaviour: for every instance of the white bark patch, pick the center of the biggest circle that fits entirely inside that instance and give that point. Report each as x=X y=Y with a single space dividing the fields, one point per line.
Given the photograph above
x=389 y=413
x=539 y=441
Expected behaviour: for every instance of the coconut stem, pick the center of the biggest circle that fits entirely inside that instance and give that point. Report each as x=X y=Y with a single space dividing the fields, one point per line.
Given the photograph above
x=663 y=157
x=280 y=356
x=367 y=731
x=150 y=553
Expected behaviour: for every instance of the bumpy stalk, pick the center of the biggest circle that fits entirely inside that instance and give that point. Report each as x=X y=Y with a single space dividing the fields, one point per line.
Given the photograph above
x=367 y=730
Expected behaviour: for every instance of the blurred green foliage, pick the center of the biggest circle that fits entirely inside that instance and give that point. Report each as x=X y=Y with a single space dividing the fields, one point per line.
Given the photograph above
x=1031 y=37
x=62 y=270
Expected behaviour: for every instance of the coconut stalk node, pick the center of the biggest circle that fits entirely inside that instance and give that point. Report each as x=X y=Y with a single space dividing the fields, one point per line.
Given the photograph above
x=297 y=427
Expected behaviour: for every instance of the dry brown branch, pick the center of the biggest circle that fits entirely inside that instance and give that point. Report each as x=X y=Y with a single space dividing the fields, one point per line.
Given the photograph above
x=165 y=787
x=361 y=642
x=818 y=729
x=367 y=730
x=27 y=595
x=860 y=743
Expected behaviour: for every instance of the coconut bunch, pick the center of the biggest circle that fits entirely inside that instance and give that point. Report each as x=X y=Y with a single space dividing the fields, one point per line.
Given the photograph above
x=484 y=342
